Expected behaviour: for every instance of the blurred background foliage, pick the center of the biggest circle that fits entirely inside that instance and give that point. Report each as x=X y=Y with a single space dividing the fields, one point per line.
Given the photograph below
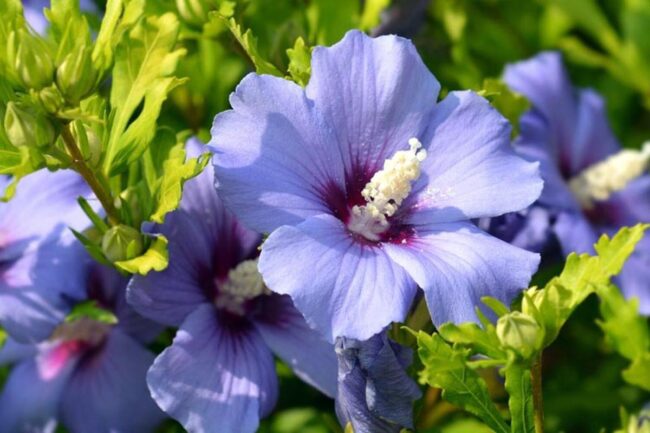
x=466 y=44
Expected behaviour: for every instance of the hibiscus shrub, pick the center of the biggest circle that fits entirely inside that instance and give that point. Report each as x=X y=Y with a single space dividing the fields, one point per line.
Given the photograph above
x=345 y=216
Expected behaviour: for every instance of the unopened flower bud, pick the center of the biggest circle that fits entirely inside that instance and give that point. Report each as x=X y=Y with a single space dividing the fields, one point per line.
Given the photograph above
x=51 y=99
x=520 y=333
x=31 y=59
x=193 y=11
x=27 y=127
x=121 y=243
x=76 y=76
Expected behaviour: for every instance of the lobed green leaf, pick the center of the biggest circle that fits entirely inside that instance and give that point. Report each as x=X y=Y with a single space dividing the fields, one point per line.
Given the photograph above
x=446 y=367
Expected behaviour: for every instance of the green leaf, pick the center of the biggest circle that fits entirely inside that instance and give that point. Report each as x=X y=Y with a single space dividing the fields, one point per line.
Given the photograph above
x=471 y=335
x=509 y=103
x=579 y=278
x=3 y=337
x=372 y=13
x=638 y=373
x=249 y=43
x=94 y=249
x=120 y=16
x=614 y=252
x=144 y=65
x=299 y=62
x=329 y=19
x=495 y=305
x=155 y=258
x=89 y=309
x=589 y=17
x=446 y=367
x=519 y=386
x=176 y=171
x=625 y=329
x=97 y=221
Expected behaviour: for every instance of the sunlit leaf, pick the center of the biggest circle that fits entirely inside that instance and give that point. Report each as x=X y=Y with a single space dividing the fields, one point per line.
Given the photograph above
x=155 y=258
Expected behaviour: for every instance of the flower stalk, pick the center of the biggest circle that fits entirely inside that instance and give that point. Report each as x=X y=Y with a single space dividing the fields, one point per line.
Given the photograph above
x=538 y=401
x=95 y=180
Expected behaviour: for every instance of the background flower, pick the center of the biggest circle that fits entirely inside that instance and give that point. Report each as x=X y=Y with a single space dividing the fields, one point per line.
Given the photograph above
x=567 y=130
x=39 y=256
x=219 y=373
x=90 y=376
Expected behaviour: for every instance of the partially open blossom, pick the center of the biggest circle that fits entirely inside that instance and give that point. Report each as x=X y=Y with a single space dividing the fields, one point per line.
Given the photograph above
x=39 y=256
x=367 y=186
x=219 y=375
x=375 y=394
x=592 y=186
x=88 y=376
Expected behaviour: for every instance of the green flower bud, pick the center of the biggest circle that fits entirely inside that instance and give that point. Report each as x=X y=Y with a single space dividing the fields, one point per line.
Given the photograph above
x=122 y=243
x=51 y=99
x=27 y=127
x=193 y=11
x=76 y=76
x=520 y=333
x=31 y=59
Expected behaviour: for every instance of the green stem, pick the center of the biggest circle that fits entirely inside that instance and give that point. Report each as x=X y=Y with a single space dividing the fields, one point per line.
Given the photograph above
x=96 y=183
x=420 y=317
x=538 y=401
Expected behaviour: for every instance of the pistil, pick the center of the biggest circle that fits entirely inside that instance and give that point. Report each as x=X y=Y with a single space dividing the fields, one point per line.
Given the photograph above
x=386 y=191
x=599 y=181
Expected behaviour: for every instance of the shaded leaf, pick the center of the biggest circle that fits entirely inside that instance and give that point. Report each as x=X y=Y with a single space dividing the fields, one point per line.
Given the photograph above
x=445 y=367
x=519 y=386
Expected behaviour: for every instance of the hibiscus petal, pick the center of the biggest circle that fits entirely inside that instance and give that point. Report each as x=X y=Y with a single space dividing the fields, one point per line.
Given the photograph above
x=108 y=390
x=626 y=207
x=273 y=155
x=205 y=241
x=13 y=352
x=40 y=260
x=634 y=280
x=456 y=264
x=375 y=392
x=30 y=400
x=374 y=93
x=535 y=143
x=574 y=233
x=471 y=170
x=359 y=290
x=286 y=332
x=216 y=376
x=594 y=139
x=545 y=82
x=39 y=288
x=44 y=201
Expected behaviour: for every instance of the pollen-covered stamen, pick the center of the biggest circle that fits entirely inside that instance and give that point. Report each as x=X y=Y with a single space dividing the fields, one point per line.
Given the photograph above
x=84 y=329
x=244 y=283
x=386 y=191
x=601 y=180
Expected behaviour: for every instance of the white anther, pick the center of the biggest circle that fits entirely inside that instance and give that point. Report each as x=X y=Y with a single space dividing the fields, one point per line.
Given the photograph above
x=243 y=284
x=601 y=180
x=386 y=191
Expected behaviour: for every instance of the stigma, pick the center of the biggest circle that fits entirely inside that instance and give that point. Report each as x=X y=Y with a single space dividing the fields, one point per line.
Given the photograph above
x=599 y=181
x=244 y=283
x=386 y=191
